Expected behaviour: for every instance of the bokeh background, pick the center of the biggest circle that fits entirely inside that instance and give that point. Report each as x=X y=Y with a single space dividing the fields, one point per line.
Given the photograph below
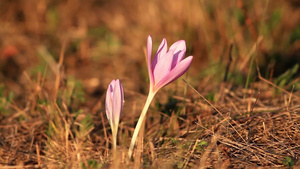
x=106 y=39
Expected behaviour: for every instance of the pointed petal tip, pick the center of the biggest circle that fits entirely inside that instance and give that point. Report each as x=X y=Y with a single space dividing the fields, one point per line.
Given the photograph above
x=188 y=60
x=181 y=41
x=149 y=38
x=190 y=57
x=179 y=45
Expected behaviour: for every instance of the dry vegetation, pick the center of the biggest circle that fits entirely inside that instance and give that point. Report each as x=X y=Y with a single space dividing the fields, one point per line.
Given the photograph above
x=58 y=56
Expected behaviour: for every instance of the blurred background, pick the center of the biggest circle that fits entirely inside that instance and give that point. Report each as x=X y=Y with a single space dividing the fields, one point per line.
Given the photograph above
x=105 y=39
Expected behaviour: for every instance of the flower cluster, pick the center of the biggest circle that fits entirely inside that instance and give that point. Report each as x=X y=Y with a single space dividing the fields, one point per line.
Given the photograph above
x=166 y=66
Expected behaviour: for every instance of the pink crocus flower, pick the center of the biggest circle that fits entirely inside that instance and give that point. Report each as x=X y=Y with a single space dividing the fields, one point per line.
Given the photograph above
x=113 y=106
x=166 y=66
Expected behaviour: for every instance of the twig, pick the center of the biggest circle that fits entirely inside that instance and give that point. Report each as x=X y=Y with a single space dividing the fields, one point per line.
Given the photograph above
x=59 y=70
x=193 y=150
x=38 y=154
x=105 y=134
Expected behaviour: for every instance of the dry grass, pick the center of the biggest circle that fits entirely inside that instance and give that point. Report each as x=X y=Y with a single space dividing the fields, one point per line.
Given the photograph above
x=57 y=58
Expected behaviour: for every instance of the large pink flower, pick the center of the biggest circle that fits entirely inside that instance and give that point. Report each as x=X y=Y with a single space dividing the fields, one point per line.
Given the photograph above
x=167 y=65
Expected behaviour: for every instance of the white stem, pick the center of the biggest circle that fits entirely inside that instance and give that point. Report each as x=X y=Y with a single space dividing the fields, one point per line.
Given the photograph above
x=114 y=135
x=141 y=119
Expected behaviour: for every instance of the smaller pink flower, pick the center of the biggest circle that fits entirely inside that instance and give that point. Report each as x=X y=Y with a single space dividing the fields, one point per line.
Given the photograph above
x=114 y=105
x=167 y=65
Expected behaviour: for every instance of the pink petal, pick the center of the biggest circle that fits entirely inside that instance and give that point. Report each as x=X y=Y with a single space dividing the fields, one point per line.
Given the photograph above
x=162 y=50
x=108 y=100
x=163 y=67
x=117 y=102
x=175 y=73
x=149 y=52
x=177 y=58
x=179 y=47
x=122 y=97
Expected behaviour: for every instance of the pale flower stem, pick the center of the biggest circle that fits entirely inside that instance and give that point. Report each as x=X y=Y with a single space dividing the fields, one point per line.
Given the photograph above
x=114 y=135
x=141 y=119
